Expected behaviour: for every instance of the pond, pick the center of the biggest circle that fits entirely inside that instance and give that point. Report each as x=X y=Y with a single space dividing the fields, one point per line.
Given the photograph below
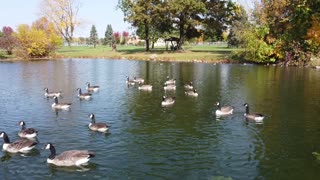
x=149 y=141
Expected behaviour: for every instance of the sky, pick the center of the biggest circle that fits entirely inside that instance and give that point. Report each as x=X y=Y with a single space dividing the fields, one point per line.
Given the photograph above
x=93 y=12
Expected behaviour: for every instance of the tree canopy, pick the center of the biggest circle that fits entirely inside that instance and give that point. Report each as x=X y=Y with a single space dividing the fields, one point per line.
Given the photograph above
x=63 y=14
x=189 y=19
x=93 y=39
x=7 y=41
x=38 y=40
x=283 y=30
x=108 y=36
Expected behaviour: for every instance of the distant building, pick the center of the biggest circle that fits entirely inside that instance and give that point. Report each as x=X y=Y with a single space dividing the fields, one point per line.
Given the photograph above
x=135 y=40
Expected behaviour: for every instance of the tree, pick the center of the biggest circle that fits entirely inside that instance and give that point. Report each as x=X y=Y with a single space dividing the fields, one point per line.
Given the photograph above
x=239 y=23
x=218 y=17
x=186 y=17
x=93 y=39
x=108 y=36
x=117 y=37
x=144 y=13
x=7 y=40
x=39 y=40
x=64 y=15
x=124 y=38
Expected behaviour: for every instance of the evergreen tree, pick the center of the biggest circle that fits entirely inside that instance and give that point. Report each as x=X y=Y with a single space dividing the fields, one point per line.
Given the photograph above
x=108 y=36
x=93 y=40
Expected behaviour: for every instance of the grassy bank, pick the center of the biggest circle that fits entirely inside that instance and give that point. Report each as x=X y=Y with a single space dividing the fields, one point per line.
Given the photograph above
x=190 y=53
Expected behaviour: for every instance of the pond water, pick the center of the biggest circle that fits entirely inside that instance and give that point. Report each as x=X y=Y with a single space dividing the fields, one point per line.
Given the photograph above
x=148 y=141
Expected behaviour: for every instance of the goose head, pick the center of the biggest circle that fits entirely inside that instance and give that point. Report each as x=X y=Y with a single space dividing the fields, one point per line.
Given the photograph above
x=79 y=90
x=22 y=123
x=92 y=117
x=55 y=99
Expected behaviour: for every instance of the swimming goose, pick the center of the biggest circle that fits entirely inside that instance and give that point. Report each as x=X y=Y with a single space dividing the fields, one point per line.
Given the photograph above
x=68 y=158
x=130 y=82
x=100 y=126
x=170 y=81
x=145 y=87
x=51 y=94
x=81 y=95
x=22 y=145
x=62 y=106
x=223 y=110
x=92 y=88
x=253 y=116
x=169 y=87
x=189 y=86
x=138 y=80
x=192 y=93
x=166 y=101
x=27 y=132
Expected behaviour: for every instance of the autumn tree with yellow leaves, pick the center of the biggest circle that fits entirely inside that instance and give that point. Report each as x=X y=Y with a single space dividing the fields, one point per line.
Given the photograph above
x=39 y=40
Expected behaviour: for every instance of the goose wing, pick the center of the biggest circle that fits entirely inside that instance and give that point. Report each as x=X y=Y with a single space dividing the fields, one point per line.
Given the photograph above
x=74 y=155
x=22 y=143
x=99 y=125
x=28 y=131
x=226 y=108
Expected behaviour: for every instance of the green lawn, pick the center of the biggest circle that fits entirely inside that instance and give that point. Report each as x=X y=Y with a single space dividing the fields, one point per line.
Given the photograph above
x=207 y=53
x=190 y=53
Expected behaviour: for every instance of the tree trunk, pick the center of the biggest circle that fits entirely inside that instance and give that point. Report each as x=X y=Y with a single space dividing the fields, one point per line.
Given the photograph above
x=146 y=27
x=181 y=40
x=182 y=33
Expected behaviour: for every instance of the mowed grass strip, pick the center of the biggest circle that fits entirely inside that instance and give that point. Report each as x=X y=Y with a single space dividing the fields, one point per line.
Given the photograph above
x=207 y=53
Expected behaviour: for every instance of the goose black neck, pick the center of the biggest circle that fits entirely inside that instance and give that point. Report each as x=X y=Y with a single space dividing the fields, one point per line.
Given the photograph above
x=56 y=100
x=247 y=109
x=93 y=120
x=218 y=106
x=23 y=127
x=47 y=90
x=80 y=92
x=53 y=152
x=6 y=138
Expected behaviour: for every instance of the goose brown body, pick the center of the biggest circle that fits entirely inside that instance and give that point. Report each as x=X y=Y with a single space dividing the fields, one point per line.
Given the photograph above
x=68 y=158
x=97 y=126
x=27 y=132
x=21 y=145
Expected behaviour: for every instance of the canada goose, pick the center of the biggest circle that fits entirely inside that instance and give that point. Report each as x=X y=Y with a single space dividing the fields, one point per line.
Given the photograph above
x=68 y=158
x=27 y=132
x=188 y=86
x=22 y=145
x=51 y=94
x=130 y=82
x=100 y=126
x=62 y=106
x=169 y=87
x=170 y=81
x=145 y=87
x=166 y=101
x=192 y=93
x=92 y=88
x=138 y=80
x=253 y=116
x=225 y=110
x=81 y=95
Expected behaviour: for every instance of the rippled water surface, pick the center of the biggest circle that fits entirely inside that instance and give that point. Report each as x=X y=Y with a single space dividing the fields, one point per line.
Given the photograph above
x=148 y=141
